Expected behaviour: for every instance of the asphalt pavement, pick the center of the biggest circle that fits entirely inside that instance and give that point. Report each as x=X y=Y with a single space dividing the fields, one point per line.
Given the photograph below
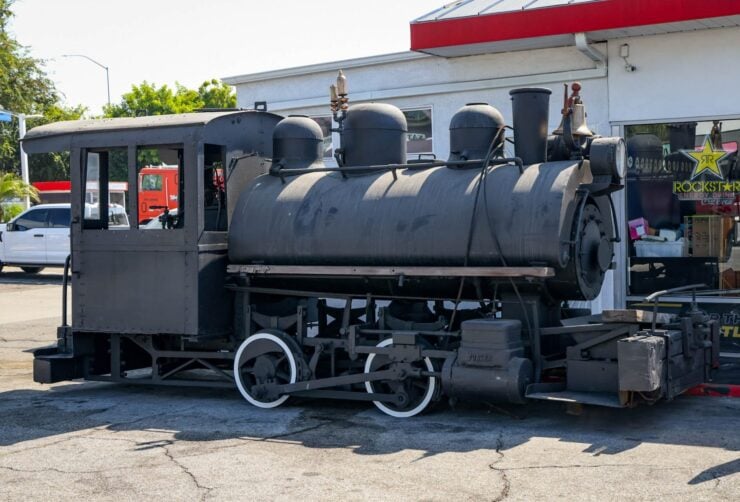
x=97 y=441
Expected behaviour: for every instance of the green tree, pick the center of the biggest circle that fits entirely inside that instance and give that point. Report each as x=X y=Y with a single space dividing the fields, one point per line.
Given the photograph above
x=24 y=88
x=11 y=187
x=53 y=166
x=216 y=94
x=149 y=99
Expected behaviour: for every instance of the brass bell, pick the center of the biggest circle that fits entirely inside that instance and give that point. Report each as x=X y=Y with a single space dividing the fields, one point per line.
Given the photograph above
x=579 y=121
x=575 y=111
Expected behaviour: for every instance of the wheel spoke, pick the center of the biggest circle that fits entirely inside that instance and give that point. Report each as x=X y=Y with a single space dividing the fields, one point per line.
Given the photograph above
x=419 y=391
x=420 y=384
x=261 y=358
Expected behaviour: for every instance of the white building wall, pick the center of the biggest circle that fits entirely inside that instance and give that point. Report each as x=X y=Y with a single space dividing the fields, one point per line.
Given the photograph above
x=679 y=76
x=445 y=84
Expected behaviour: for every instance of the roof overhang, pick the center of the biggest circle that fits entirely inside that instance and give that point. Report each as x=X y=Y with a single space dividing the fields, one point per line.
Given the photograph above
x=330 y=66
x=444 y=33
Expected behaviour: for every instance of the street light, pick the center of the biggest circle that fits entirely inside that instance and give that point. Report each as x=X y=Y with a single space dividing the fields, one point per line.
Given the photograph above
x=107 y=76
x=21 y=133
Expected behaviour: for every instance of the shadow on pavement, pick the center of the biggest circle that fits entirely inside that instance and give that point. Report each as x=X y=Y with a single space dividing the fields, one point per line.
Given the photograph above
x=716 y=472
x=12 y=275
x=194 y=414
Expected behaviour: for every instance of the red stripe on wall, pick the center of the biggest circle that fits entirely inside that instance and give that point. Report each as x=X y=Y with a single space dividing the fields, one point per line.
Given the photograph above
x=53 y=186
x=559 y=20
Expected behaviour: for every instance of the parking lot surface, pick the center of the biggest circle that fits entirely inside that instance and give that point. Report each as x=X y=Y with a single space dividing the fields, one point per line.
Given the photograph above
x=110 y=442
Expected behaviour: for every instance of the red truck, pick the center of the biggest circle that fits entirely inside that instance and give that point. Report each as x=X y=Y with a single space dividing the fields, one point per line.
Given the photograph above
x=158 y=188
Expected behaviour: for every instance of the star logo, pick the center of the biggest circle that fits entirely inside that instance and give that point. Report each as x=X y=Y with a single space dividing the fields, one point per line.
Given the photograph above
x=707 y=160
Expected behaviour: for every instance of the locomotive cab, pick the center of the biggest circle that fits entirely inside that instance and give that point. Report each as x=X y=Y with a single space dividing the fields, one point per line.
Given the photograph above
x=159 y=278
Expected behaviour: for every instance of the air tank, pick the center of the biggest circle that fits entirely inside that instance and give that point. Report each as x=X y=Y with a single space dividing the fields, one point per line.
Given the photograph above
x=374 y=134
x=297 y=143
x=472 y=129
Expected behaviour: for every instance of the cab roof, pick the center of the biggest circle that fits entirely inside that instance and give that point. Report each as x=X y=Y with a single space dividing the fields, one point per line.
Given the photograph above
x=58 y=136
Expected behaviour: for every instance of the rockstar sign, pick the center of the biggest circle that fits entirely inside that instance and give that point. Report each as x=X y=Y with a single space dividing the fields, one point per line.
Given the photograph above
x=707 y=160
x=715 y=190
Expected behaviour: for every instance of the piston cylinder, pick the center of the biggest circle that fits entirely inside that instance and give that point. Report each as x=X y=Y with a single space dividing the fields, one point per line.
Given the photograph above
x=489 y=364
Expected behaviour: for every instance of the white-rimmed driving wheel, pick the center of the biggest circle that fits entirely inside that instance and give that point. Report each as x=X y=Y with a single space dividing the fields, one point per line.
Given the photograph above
x=264 y=360
x=415 y=393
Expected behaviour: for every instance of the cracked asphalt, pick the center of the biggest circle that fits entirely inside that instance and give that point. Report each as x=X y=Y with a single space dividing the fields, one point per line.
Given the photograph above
x=98 y=441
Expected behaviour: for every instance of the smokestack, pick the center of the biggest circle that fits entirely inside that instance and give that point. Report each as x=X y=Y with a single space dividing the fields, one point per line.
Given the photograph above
x=530 y=108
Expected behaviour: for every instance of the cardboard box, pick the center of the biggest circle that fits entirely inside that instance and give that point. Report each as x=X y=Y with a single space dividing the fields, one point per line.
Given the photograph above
x=729 y=279
x=707 y=235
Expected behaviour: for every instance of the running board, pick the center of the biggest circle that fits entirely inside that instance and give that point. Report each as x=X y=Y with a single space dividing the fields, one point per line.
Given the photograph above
x=338 y=271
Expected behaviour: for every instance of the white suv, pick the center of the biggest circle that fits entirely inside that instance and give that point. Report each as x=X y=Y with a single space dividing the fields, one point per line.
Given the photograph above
x=39 y=237
x=36 y=238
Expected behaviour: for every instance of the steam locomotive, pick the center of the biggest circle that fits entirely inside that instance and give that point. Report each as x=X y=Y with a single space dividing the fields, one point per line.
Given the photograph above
x=385 y=280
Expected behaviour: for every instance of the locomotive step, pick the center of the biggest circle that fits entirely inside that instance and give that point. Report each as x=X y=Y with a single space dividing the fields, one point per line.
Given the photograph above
x=557 y=392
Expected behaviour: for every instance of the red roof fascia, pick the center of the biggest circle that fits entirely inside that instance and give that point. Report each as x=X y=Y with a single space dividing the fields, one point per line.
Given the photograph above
x=564 y=19
x=53 y=186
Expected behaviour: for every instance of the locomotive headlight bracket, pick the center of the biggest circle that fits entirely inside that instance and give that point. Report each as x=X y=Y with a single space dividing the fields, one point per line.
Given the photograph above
x=608 y=158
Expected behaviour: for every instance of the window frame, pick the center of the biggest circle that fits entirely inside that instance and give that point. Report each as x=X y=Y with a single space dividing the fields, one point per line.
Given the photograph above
x=181 y=154
x=631 y=128
x=101 y=222
x=330 y=135
x=202 y=188
x=429 y=107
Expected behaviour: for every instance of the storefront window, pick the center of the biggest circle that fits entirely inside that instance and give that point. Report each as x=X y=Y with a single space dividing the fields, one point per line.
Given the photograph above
x=683 y=206
x=419 y=124
x=325 y=124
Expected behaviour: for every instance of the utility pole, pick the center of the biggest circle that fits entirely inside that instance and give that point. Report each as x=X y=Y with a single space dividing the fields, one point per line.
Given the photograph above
x=21 y=133
x=107 y=75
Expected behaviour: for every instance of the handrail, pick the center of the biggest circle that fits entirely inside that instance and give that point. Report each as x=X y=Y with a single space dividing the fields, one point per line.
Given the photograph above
x=656 y=296
x=282 y=172
x=67 y=263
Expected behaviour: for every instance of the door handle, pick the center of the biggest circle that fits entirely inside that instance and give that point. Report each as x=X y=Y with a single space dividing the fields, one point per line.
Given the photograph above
x=38 y=235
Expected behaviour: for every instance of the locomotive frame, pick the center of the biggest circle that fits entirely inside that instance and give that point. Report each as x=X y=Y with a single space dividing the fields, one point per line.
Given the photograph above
x=276 y=330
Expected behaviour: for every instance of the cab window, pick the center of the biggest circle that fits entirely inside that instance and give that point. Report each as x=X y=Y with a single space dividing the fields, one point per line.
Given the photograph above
x=36 y=218
x=214 y=189
x=159 y=170
x=104 y=168
x=151 y=182
x=59 y=217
